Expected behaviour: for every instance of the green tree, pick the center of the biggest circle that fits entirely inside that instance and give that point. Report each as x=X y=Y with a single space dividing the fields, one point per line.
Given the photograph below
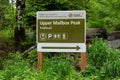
x=32 y=6
x=104 y=13
x=3 y=4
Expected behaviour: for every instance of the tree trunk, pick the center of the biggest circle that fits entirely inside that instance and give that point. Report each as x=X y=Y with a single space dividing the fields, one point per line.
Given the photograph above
x=19 y=32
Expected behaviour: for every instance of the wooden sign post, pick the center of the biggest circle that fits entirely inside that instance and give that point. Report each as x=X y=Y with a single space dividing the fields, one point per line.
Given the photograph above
x=40 y=60
x=61 y=31
x=83 y=60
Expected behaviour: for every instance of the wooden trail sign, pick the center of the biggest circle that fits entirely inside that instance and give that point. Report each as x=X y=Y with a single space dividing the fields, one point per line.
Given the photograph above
x=61 y=31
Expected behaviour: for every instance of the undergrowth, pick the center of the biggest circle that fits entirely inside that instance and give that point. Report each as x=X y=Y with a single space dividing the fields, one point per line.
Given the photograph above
x=104 y=58
x=103 y=64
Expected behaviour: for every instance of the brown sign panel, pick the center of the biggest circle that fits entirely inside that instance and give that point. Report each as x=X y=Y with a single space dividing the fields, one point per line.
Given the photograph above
x=61 y=28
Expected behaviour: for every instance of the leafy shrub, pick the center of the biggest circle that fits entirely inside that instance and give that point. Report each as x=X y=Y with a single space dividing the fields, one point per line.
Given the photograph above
x=15 y=68
x=6 y=37
x=98 y=53
x=7 y=34
x=29 y=41
x=112 y=65
x=57 y=66
x=104 y=58
x=32 y=57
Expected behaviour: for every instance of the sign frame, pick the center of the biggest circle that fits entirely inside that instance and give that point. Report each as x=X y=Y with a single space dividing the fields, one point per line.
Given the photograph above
x=56 y=46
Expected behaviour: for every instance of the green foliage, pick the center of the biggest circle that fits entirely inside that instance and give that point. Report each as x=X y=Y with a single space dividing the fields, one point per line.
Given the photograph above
x=103 y=14
x=6 y=39
x=3 y=3
x=111 y=66
x=98 y=53
x=32 y=57
x=104 y=58
x=61 y=67
x=7 y=14
x=28 y=43
x=100 y=14
x=15 y=68
x=6 y=34
x=57 y=68
x=47 y=5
